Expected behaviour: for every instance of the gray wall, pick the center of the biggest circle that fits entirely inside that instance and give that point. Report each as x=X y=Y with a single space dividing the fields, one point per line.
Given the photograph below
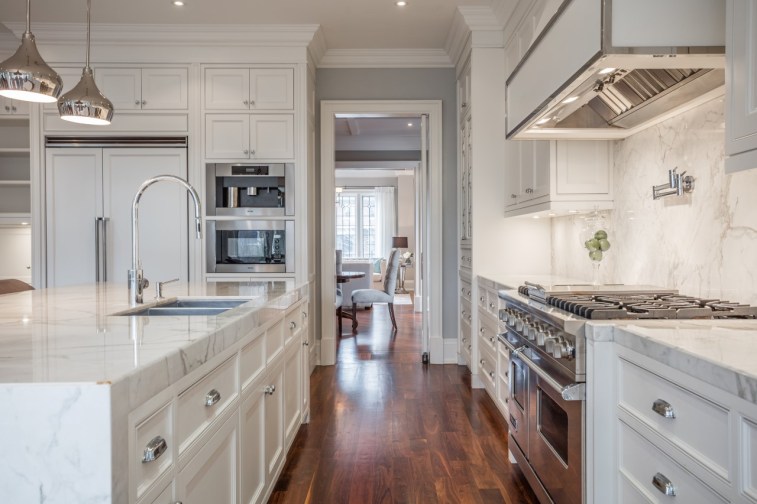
x=410 y=84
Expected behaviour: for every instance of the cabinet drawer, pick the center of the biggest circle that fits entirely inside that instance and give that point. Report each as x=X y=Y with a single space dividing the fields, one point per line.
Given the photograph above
x=640 y=462
x=487 y=336
x=252 y=361
x=153 y=448
x=492 y=303
x=699 y=427
x=466 y=314
x=466 y=258
x=204 y=401
x=274 y=340
x=292 y=324
x=488 y=372
x=465 y=290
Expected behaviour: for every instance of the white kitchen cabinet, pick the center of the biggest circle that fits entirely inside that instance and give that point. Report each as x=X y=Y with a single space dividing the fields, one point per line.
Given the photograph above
x=89 y=197
x=249 y=89
x=293 y=389
x=14 y=107
x=15 y=181
x=464 y=90
x=274 y=421
x=557 y=177
x=144 y=88
x=466 y=181
x=252 y=438
x=262 y=137
x=213 y=474
x=741 y=84
x=503 y=378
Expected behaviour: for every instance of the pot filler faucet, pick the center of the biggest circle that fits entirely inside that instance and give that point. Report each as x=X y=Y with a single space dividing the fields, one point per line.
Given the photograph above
x=137 y=280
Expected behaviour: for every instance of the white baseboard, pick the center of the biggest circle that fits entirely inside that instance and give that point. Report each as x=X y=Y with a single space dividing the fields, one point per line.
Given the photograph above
x=475 y=381
x=443 y=351
x=450 y=351
x=417 y=304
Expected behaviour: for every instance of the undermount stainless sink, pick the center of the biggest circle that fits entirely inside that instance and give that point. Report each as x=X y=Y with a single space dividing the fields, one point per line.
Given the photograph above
x=185 y=307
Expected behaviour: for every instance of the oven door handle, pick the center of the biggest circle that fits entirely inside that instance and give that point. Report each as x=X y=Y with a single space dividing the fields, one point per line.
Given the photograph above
x=570 y=392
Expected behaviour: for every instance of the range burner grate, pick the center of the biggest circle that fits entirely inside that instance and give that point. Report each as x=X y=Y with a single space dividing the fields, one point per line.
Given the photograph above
x=649 y=306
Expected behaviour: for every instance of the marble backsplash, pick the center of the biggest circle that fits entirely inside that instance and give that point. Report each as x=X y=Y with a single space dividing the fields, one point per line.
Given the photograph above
x=703 y=244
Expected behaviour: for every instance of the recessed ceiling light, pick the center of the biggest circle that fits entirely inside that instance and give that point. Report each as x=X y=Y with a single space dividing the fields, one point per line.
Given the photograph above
x=570 y=99
x=409 y=125
x=401 y=3
x=605 y=71
x=178 y=3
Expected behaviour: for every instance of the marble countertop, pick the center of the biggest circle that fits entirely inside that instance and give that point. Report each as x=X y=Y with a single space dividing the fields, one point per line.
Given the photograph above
x=69 y=335
x=720 y=352
x=513 y=281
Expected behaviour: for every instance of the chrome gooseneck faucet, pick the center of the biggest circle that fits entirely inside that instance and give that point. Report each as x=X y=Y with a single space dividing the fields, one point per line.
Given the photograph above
x=137 y=280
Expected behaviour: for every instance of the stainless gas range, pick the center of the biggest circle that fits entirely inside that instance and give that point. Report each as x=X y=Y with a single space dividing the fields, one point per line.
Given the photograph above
x=545 y=335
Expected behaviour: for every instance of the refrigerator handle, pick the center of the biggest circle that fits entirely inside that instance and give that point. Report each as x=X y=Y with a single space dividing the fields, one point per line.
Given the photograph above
x=97 y=249
x=104 y=248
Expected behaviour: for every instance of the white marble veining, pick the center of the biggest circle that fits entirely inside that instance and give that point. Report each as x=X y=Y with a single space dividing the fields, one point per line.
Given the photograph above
x=703 y=244
x=720 y=352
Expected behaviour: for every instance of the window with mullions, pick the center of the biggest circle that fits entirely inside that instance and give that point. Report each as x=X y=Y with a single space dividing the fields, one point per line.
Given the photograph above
x=356 y=223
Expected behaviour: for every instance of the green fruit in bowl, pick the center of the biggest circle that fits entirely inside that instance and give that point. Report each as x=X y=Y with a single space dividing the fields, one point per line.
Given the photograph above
x=600 y=235
x=595 y=255
x=592 y=244
x=604 y=245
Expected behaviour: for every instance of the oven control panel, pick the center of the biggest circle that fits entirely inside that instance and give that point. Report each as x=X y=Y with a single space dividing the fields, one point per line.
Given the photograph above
x=554 y=341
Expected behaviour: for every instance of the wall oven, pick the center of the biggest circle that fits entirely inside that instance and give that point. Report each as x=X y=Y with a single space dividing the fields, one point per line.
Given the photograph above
x=250 y=246
x=250 y=190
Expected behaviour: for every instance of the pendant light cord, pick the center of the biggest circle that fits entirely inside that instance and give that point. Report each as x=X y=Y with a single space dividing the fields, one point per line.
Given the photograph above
x=89 y=6
x=28 y=16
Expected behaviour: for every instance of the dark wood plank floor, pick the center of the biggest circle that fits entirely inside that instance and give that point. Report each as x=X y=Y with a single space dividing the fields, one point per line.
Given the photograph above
x=385 y=428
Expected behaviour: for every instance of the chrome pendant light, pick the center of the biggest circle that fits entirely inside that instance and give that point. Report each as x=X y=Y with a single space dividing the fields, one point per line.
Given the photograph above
x=85 y=103
x=25 y=76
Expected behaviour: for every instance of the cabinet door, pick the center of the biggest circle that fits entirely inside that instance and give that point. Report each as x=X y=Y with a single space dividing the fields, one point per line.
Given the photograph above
x=71 y=77
x=512 y=171
x=292 y=388
x=272 y=89
x=463 y=174
x=163 y=223
x=272 y=136
x=741 y=124
x=227 y=89
x=227 y=136
x=164 y=89
x=122 y=86
x=582 y=167
x=252 y=440
x=213 y=474
x=274 y=421
x=73 y=180
x=540 y=171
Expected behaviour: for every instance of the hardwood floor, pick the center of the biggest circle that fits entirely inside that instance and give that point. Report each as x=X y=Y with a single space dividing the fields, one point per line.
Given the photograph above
x=385 y=428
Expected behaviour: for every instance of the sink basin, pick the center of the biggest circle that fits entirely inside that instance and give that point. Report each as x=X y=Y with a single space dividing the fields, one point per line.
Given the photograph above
x=185 y=307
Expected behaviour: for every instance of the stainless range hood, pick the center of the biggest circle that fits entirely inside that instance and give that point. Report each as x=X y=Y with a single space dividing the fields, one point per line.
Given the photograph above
x=606 y=69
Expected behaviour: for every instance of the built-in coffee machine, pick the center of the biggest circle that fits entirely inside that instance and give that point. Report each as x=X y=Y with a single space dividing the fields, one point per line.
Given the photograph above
x=250 y=190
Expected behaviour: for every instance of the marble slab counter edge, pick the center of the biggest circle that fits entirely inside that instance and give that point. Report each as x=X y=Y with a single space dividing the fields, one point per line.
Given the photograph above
x=720 y=352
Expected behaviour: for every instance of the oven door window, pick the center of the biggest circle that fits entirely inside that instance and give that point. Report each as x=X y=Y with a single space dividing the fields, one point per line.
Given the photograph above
x=519 y=377
x=552 y=424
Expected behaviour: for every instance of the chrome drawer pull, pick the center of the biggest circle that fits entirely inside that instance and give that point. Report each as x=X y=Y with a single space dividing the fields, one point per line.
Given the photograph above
x=663 y=408
x=292 y=325
x=212 y=397
x=664 y=485
x=269 y=390
x=154 y=449
x=491 y=374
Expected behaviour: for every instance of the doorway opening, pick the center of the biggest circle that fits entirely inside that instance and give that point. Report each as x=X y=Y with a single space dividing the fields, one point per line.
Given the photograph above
x=425 y=170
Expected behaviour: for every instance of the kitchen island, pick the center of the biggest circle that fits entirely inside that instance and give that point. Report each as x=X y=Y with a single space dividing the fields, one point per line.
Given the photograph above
x=82 y=389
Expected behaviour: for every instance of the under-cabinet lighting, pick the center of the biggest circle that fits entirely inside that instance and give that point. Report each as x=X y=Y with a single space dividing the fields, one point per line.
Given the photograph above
x=401 y=3
x=543 y=121
x=573 y=211
x=24 y=223
x=178 y=3
x=570 y=99
x=409 y=125
x=605 y=71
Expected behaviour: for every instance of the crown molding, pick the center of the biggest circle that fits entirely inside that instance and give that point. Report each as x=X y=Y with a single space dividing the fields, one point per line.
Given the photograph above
x=503 y=9
x=173 y=35
x=317 y=48
x=385 y=58
x=486 y=29
x=457 y=43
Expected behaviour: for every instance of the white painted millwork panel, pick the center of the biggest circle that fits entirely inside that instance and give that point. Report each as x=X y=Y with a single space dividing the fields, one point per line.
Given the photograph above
x=557 y=177
x=503 y=374
x=741 y=83
x=274 y=340
x=292 y=386
x=164 y=497
x=85 y=184
x=227 y=136
x=640 y=461
x=748 y=457
x=272 y=136
x=694 y=415
x=274 y=421
x=14 y=107
x=144 y=88
x=252 y=438
x=252 y=361
x=249 y=89
x=213 y=474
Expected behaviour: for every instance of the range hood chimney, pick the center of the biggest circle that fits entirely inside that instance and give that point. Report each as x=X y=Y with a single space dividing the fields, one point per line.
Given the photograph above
x=606 y=69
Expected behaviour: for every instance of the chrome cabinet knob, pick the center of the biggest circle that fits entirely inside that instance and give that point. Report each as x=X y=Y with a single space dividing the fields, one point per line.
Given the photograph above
x=664 y=485
x=7 y=108
x=212 y=397
x=304 y=314
x=246 y=103
x=481 y=299
x=252 y=103
x=252 y=152
x=137 y=102
x=269 y=389
x=292 y=325
x=144 y=102
x=513 y=196
x=663 y=408
x=305 y=343
x=154 y=449
x=13 y=108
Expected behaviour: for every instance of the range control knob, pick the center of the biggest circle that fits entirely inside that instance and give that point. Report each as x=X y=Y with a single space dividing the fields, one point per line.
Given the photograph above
x=519 y=322
x=563 y=349
x=542 y=334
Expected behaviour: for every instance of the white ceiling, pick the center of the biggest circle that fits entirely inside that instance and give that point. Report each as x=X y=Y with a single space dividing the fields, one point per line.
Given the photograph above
x=346 y=24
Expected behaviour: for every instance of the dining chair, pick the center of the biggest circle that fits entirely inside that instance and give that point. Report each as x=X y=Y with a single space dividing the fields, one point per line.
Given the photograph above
x=365 y=296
